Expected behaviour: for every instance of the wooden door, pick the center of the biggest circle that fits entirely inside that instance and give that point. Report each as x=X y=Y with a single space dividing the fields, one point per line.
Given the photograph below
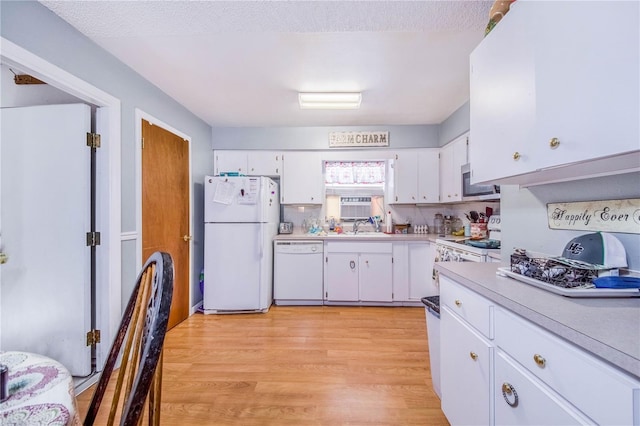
x=165 y=208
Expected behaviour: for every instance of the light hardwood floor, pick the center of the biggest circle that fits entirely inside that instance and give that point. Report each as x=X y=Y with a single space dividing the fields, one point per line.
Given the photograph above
x=299 y=366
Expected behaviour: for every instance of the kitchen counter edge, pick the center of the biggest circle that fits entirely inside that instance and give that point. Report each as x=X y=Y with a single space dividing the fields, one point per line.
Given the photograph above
x=368 y=237
x=589 y=323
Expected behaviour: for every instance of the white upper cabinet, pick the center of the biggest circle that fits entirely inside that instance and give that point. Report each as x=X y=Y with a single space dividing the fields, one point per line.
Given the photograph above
x=264 y=163
x=403 y=183
x=550 y=88
x=414 y=177
x=428 y=176
x=302 y=181
x=452 y=157
x=250 y=163
x=230 y=161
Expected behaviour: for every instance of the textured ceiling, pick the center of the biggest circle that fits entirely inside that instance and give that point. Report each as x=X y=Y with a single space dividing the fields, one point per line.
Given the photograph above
x=241 y=63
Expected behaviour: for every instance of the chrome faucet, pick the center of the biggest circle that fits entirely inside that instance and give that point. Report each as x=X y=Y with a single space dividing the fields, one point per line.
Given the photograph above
x=376 y=222
x=357 y=223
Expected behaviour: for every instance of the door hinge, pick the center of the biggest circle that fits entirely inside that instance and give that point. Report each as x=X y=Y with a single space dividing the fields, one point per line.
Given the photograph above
x=93 y=239
x=93 y=337
x=93 y=140
x=141 y=143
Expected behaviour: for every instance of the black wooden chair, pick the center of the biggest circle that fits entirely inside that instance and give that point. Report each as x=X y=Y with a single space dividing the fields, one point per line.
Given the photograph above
x=144 y=324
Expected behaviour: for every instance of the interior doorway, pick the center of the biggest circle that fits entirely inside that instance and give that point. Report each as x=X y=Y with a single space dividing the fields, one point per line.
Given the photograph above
x=166 y=206
x=107 y=123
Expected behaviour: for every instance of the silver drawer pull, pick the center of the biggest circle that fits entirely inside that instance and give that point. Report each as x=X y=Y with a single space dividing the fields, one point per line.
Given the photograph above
x=539 y=359
x=507 y=391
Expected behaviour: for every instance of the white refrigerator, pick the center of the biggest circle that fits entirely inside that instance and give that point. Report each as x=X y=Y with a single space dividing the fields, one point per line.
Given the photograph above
x=241 y=216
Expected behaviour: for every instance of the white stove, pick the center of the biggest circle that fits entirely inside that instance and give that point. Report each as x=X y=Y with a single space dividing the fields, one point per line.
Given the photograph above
x=457 y=251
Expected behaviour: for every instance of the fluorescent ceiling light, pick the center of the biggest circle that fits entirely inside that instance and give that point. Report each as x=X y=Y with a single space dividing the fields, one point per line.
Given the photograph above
x=328 y=100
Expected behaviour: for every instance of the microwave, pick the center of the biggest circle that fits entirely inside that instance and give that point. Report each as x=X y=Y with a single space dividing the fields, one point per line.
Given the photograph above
x=476 y=192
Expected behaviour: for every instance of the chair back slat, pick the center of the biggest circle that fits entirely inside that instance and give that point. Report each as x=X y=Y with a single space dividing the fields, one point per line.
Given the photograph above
x=143 y=325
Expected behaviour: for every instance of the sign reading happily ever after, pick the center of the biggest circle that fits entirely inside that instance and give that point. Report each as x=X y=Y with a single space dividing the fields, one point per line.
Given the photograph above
x=358 y=139
x=607 y=216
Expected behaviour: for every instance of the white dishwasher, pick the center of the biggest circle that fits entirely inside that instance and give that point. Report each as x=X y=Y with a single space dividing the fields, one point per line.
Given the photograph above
x=297 y=272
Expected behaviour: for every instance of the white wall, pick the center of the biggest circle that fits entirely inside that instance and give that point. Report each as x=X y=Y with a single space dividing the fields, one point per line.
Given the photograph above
x=524 y=213
x=35 y=28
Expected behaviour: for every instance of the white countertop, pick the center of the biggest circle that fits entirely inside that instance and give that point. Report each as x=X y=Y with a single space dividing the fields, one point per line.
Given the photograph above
x=607 y=328
x=380 y=236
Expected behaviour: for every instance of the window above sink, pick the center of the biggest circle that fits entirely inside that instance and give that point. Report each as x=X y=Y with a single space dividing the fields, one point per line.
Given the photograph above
x=354 y=189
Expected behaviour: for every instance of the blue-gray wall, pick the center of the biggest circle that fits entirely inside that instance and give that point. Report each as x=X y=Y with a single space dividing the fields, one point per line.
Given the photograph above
x=317 y=138
x=455 y=125
x=38 y=30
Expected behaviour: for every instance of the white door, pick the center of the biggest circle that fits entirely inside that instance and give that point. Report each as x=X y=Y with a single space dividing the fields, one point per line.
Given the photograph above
x=341 y=277
x=44 y=217
x=375 y=270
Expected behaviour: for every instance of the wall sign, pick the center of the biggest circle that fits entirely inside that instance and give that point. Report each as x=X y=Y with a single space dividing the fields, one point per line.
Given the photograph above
x=608 y=216
x=358 y=139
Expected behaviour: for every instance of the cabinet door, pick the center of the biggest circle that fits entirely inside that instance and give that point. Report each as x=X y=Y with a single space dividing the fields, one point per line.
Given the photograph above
x=341 y=277
x=428 y=176
x=465 y=372
x=302 y=180
x=587 y=86
x=376 y=283
x=531 y=402
x=421 y=259
x=264 y=163
x=547 y=71
x=405 y=178
x=502 y=99
x=231 y=161
x=452 y=157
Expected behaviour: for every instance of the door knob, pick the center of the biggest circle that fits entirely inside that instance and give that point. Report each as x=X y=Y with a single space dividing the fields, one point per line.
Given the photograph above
x=187 y=237
x=3 y=258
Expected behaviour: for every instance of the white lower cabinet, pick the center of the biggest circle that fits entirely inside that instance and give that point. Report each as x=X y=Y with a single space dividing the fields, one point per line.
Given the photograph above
x=524 y=375
x=358 y=272
x=341 y=277
x=466 y=355
x=413 y=271
x=421 y=258
x=521 y=399
x=597 y=390
x=465 y=371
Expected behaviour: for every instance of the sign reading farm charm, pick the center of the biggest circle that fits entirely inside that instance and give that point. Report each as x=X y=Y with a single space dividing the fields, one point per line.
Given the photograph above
x=358 y=139
x=608 y=216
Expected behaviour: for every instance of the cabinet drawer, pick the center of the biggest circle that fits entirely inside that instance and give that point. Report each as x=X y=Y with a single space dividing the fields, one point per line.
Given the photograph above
x=530 y=401
x=358 y=247
x=470 y=306
x=600 y=391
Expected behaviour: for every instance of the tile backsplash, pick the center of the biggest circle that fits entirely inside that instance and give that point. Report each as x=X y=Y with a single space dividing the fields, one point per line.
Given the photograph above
x=401 y=213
